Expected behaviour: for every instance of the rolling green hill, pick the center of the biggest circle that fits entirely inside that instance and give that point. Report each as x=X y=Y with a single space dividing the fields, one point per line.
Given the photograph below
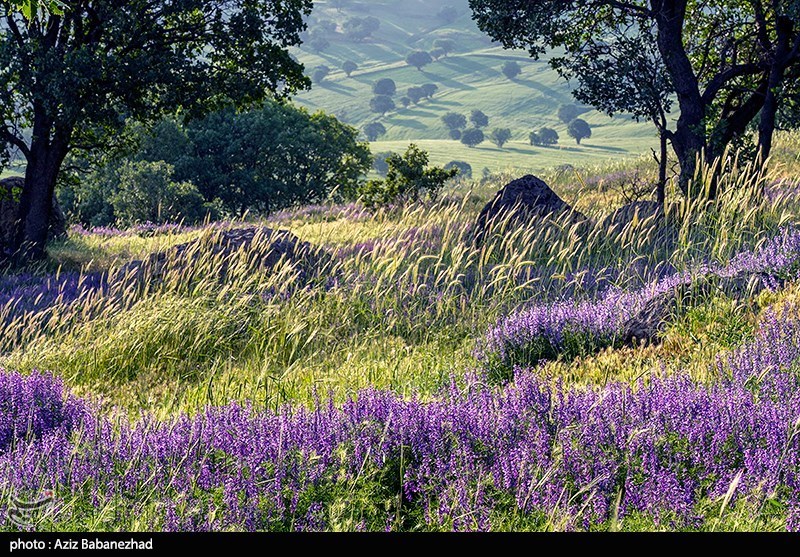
x=468 y=78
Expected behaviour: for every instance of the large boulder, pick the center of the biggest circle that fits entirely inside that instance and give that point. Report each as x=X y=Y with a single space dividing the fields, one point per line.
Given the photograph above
x=522 y=201
x=10 y=189
x=263 y=247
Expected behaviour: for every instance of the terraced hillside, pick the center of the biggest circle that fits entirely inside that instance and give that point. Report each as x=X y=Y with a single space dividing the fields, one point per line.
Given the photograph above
x=468 y=78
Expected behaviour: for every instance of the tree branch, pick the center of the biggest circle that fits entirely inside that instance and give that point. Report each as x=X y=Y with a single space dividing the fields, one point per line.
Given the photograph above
x=17 y=142
x=721 y=79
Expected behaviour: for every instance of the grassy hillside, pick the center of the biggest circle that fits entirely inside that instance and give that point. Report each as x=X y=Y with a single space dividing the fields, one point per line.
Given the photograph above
x=469 y=78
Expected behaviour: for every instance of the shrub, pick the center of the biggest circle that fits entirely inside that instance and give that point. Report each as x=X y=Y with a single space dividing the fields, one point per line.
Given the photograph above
x=479 y=119
x=456 y=134
x=500 y=136
x=472 y=137
x=464 y=168
x=385 y=86
x=374 y=130
x=147 y=193
x=511 y=69
x=407 y=179
x=579 y=129
x=405 y=101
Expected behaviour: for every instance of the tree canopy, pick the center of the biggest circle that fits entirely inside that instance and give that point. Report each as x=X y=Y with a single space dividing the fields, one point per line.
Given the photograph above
x=73 y=78
x=728 y=62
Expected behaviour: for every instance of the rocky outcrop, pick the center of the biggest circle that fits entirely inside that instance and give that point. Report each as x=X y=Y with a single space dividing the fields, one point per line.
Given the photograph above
x=263 y=248
x=522 y=201
x=10 y=189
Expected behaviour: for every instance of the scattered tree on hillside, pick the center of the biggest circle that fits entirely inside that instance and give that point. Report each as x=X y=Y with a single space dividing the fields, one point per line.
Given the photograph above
x=320 y=73
x=472 y=137
x=385 y=86
x=318 y=44
x=75 y=77
x=728 y=62
x=407 y=179
x=446 y=45
x=455 y=134
x=437 y=53
x=429 y=90
x=349 y=67
x=479 y=119
x=464 y=168
x=381 y=104
x=379 y=162
x=448 y=14
x=360 y=29
x=415 y=94
x=374 y=130
x=545 y=136
x=327 y=26
x=419 y=59
x=454 y=121
x=500 y=136
x=511 y=69
x=405 y=101
x=568 y=112
x=579 y=129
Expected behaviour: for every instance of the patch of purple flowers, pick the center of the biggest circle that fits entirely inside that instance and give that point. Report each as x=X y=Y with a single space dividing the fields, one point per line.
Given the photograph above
x=558 y=454
x=546 y=330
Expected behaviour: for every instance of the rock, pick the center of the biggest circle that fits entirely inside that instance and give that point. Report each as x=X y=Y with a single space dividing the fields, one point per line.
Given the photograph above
x=648 y=324
x=263 y=246
x=523 y=200
x=10 y=189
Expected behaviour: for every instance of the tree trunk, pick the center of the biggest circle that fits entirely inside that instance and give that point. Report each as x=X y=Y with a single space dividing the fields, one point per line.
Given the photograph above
x=662 y=171
x=688 y=141
x=36 y=201
x=766 y=125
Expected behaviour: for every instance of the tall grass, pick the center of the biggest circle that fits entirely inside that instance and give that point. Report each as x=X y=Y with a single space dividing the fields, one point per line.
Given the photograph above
x=395 y=299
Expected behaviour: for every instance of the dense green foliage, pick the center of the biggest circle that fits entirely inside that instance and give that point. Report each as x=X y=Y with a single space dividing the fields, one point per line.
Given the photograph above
x=408 y=178
x=257 y=161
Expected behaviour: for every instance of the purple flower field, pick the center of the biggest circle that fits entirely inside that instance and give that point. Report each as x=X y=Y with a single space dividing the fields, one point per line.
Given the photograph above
x=546 y=451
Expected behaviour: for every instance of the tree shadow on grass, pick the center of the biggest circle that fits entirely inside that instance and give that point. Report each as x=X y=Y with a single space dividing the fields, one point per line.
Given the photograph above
x=549 y=91
x=407 y=123
x=338 y=88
